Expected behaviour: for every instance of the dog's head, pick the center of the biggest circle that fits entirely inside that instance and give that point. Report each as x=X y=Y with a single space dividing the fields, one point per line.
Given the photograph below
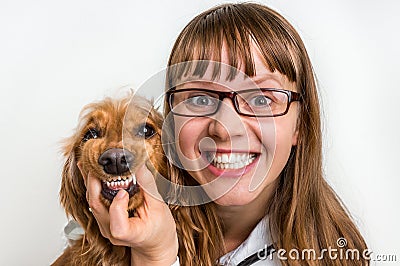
x=111 y=144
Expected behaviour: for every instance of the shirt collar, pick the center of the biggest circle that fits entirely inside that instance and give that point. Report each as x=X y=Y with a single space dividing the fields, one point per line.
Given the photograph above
x=258 y=239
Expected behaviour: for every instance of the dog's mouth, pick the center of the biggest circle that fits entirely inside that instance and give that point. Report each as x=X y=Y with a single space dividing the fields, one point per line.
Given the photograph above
x=111 y=186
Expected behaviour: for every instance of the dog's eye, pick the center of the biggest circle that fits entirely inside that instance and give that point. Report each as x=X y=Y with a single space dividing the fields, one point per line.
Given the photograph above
x=145 y=131
x=92 y=133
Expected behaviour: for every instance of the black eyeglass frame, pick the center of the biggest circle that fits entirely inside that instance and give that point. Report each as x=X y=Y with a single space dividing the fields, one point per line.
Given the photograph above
x=292 y=97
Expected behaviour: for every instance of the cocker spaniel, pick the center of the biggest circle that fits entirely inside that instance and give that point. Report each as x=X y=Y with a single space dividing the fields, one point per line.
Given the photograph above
x=111 y=143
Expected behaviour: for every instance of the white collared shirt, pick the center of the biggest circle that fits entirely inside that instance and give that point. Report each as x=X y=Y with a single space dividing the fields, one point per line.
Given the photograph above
x=258 y=240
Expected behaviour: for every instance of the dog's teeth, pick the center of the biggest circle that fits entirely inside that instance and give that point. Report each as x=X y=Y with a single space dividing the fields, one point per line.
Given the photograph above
x=134 y=179
x=119 y=178
x=108 y=184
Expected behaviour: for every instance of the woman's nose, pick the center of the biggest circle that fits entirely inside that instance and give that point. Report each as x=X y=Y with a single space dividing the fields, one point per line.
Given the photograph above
x=226 y=123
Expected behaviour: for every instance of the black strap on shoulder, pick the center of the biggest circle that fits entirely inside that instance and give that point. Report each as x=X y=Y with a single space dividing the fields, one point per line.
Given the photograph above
x=259 y=255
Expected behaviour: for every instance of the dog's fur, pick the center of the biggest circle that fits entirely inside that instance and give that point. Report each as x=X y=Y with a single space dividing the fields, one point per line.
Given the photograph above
x=107 y=118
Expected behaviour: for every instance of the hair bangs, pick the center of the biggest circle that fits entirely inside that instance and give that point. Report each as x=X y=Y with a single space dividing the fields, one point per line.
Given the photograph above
x=200 y=46
x=276 y=40
x=233 y=28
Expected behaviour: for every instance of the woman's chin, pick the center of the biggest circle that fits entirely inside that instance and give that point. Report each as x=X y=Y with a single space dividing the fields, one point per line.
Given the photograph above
x=238 y=192
x=232 y=199
x=231 y=195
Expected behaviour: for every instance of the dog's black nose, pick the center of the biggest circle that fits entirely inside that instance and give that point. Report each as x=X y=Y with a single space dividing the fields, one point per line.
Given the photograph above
x=116 y=161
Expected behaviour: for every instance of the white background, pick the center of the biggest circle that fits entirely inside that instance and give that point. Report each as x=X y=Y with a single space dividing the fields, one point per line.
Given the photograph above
x=56 y=56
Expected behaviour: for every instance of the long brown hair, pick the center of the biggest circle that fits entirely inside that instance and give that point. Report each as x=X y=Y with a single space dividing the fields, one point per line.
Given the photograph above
x=314 y=216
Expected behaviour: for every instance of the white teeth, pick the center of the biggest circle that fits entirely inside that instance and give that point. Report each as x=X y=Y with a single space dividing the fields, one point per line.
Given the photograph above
x=120 y=181
x=232 y=160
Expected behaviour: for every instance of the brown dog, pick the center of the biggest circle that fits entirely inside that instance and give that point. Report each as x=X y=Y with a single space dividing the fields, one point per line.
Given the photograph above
x=112 y=147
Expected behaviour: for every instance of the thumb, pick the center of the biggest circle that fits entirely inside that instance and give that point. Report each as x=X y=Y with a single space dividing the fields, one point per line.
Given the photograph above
x=119 y=218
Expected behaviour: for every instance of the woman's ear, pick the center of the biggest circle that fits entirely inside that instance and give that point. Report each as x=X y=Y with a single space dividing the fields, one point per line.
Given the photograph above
x=295 y=137
x=296 y=128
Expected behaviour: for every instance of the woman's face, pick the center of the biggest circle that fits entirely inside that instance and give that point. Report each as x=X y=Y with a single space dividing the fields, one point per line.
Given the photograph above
x=233 y=157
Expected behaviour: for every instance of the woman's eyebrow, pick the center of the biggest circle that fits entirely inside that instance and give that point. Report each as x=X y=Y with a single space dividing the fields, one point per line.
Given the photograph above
x=194 y=83
x=264 y=77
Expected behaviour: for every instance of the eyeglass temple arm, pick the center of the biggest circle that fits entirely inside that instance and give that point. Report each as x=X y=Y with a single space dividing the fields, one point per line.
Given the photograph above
x=295 y=96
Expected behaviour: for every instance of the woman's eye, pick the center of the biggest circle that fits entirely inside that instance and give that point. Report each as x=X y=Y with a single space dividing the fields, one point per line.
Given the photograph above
x=91 y=133
x=202 y=100
x=145 y=131
x=260 y=101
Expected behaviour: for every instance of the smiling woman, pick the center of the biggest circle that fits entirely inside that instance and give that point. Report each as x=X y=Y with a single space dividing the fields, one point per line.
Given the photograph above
x=57 y=56
x=242 y=131
x=245 y=114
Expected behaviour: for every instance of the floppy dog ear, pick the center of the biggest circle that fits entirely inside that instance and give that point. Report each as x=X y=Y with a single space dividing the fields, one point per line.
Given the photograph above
x=73 y=190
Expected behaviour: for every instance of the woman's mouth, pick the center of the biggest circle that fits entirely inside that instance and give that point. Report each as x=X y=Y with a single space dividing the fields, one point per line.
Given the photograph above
x=231 y=160
x=230 y=163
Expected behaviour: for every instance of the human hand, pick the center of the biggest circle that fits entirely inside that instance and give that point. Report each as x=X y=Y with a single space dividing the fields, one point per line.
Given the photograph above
x=151 y=234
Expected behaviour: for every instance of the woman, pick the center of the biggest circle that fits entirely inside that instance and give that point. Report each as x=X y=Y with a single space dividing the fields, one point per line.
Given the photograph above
x=243 y=108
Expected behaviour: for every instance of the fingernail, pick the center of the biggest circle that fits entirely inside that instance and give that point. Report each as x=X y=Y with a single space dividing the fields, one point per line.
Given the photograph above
x=121 y=194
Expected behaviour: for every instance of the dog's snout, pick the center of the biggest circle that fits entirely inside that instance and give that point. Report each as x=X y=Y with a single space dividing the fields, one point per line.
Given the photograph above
x=116 y=161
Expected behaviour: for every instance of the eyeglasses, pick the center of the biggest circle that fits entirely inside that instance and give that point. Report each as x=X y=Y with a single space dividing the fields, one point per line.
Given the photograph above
x=261 y=102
